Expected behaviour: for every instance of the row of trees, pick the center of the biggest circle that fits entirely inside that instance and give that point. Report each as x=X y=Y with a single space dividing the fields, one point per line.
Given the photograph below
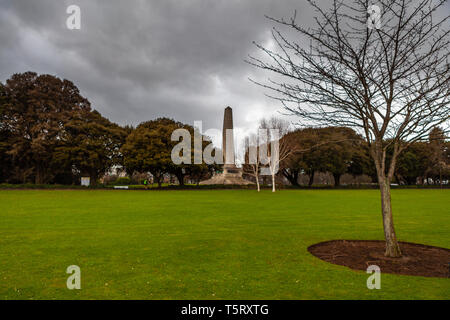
x=50 y=134
x=340 y=150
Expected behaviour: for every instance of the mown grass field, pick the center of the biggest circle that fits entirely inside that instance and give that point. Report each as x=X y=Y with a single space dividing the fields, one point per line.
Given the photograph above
x=216 y=244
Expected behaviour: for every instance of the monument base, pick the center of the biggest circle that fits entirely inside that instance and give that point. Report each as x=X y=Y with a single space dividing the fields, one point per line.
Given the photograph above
x=229 y=176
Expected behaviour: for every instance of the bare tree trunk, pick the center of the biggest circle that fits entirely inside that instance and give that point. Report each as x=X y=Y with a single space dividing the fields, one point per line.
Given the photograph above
x=292 y=177
x=256 y=174
x=392 y=247
x=273 y=182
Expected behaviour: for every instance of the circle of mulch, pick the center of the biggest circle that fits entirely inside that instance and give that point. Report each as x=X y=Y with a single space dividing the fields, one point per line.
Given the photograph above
x=416 y=260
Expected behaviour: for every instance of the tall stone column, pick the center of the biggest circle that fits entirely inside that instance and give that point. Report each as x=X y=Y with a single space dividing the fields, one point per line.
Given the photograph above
x=231 y=174
x=228 y=139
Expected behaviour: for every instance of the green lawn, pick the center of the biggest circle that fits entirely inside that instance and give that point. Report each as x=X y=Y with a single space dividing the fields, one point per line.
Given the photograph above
x=215 y=244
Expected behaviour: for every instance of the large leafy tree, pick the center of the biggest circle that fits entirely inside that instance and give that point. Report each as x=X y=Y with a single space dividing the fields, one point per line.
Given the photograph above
x=307 y=159
x=34 y=116
x=148 y=149
x=362 y=163
x=413 y=163
x=330 y=149
x=90 y=145
x=337 y=147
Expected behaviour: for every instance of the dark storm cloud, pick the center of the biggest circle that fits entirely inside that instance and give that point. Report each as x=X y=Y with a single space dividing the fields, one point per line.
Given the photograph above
x=138 y=60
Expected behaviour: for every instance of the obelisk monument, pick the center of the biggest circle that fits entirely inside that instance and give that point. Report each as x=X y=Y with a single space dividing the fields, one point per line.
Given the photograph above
x=231 y=174
x=228 y=141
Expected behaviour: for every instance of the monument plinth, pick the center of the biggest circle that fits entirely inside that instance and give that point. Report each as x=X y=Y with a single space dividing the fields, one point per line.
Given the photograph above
x=231 y=174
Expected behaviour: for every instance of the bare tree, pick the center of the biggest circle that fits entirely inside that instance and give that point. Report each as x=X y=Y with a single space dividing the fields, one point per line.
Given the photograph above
x=388 y=77
x=252 y=161
x=277 y=149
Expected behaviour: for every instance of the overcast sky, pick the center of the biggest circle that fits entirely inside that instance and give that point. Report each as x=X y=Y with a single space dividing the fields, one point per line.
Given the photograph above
x=139 y=60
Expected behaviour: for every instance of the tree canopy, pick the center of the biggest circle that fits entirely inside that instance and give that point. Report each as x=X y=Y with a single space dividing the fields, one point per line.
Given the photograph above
x=49 y=130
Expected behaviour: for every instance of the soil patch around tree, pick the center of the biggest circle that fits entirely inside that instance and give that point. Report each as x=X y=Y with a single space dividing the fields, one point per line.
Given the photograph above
x=416 y=260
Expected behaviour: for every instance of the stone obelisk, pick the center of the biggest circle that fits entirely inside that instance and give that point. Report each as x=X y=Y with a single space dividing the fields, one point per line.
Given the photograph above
x=231 y=174
x=228 y=141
